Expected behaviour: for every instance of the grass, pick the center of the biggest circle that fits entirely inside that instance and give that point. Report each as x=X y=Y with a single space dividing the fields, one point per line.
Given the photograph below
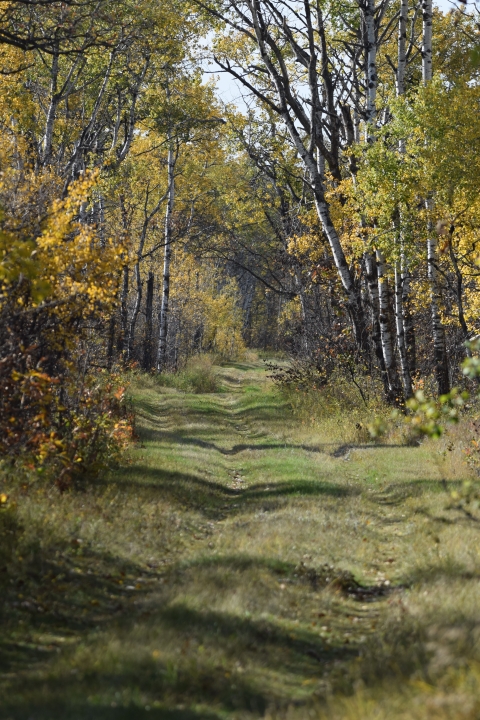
x=243 y=565
x=198 y=376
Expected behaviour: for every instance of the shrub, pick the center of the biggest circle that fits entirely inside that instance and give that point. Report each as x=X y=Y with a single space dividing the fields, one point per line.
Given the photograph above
x=58 y=417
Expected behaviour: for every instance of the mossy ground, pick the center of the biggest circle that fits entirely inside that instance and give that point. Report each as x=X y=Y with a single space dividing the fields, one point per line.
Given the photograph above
x=243 y=565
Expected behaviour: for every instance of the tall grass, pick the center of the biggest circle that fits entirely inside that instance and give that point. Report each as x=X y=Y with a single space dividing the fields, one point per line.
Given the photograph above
x=198 y=376
x=340 y=409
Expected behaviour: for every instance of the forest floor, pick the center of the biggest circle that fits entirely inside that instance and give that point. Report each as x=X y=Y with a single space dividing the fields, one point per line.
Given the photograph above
x=243 y=565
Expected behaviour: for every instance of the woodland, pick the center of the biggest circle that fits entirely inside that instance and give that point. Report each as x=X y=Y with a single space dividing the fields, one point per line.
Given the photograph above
x=332 y=214
x=316 y=237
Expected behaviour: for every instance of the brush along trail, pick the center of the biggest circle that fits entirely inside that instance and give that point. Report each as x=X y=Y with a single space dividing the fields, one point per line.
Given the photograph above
x=240 y=565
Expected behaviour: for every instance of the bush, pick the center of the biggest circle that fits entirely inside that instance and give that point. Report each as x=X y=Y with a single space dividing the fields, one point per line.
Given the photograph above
x=58 y=417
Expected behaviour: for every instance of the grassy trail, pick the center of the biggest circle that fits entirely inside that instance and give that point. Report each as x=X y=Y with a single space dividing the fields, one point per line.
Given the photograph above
x=242 y=566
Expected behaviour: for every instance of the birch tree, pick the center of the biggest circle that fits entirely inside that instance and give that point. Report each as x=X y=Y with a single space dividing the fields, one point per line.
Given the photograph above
x=307 y=107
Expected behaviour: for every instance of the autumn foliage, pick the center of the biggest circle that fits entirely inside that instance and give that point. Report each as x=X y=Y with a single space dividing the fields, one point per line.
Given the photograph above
x=57 y=416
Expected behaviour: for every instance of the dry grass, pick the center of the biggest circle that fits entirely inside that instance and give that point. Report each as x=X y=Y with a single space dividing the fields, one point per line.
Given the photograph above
x=243 y=565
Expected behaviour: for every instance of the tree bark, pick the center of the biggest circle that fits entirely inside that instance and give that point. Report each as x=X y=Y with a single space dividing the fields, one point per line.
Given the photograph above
x=400 y=327
x=427 y=41
x=136 y=309
x=51 y=113
x=404 y=330
x=386 y=335
x=372 y=281
x=408 y=326
x=111 y=341
x=123 y=311
x=148 y=340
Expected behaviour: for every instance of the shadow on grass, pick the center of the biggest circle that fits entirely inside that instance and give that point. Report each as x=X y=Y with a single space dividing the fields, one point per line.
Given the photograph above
x=82 y=604
x=62 y=592
x=317 y=578
x=443 y=569
x=396 y=493
x=177 y=437
x=245 y=367
x=199 y=679
x=209 y=497
x=299 y=652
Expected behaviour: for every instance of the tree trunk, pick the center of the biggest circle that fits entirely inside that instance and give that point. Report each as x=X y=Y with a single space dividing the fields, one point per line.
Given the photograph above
x=372 y=281
x=148 y=341
x=403 y=313
x=111 y=341
x=385 y=334
x=354 y=303
x=163 y=324
x=123 y=311
x=400 y=327
x=249 y=294
x=427 y=41
x=459 y=294
x=408 y=326
x=51 y=112
x=402 y=47
x=136 y=309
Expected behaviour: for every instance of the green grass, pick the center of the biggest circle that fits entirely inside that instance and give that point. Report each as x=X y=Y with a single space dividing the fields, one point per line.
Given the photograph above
x=242 y=564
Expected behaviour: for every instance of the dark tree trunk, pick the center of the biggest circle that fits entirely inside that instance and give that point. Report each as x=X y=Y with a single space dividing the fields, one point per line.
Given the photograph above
x=148 y=343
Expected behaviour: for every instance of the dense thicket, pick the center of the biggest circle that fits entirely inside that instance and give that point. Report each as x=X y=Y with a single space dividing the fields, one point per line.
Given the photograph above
x=333 y=213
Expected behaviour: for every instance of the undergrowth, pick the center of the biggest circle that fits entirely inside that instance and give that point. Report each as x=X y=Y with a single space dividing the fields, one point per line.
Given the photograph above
x=198 y=376
x=340 y=408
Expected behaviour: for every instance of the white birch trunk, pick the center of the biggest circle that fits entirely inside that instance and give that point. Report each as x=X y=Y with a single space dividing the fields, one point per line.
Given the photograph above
x=386 y=335
x=321 y=205
x=163 y=329
x=123 y=309
x=400 y=327
x=408 y=326
x=372 y=282
x=402 y=47
x=427 y=41
x=136 y=309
